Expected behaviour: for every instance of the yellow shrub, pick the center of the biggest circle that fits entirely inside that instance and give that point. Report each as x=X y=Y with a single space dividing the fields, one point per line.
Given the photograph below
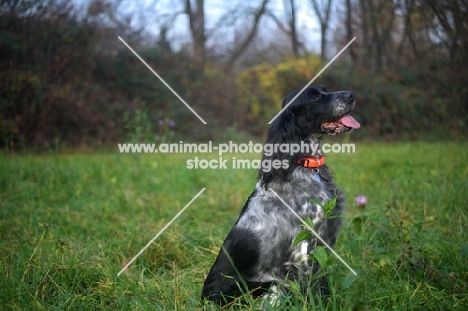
x=263 y=87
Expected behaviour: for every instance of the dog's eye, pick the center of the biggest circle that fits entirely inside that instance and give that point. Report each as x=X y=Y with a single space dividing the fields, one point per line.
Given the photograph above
x=314 y=97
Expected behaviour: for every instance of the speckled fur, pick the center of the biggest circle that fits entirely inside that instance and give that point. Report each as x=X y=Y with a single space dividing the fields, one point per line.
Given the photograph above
x=258 y=254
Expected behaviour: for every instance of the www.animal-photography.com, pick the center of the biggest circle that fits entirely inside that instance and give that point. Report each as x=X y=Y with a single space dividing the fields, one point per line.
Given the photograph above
x=213 y=155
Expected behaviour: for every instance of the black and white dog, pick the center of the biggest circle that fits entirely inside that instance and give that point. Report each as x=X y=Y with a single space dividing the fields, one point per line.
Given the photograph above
x=257 y=255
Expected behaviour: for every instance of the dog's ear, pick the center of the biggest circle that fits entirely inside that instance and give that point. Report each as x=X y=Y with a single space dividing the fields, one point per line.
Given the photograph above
x=284 y=130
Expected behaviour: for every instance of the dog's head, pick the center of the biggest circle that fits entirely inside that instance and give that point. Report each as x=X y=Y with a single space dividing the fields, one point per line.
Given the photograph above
x=314 y=112
x=318 y=111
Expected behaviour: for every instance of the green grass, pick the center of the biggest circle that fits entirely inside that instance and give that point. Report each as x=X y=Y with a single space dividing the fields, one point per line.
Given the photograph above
x=69 y=223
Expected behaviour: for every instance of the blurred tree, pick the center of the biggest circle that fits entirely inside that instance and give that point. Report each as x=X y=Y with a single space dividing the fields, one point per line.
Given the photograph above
x=381 y=17
x=323 y=14
x=242 y=46
x=291 y=24
x=408 y=19
x=349 y=31
x=452 y=16
x=196 y=14
x=164 y=46
x=292 y=27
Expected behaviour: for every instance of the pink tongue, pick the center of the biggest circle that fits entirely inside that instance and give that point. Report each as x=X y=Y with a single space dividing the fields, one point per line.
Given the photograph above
x=349 y=121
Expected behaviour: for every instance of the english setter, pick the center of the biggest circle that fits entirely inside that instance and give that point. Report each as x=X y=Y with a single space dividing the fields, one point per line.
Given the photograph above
x=257 y=256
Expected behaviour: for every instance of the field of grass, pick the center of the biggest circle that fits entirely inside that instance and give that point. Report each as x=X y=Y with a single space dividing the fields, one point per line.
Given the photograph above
x=69 y=223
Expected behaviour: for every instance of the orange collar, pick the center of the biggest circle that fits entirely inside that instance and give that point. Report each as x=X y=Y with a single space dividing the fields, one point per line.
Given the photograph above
x=311 y=162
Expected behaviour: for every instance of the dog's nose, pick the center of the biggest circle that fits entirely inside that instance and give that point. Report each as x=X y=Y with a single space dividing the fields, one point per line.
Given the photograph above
x=349 y=96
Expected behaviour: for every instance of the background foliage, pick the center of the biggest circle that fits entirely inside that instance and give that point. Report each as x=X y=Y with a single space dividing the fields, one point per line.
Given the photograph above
x=66 y=80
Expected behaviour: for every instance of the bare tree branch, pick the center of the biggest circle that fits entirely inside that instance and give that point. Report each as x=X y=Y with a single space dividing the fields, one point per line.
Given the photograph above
x=289 y=29
x=292 y=27
x=323 y=15
x=197 y=30
x=253 y=30
x=349 y=30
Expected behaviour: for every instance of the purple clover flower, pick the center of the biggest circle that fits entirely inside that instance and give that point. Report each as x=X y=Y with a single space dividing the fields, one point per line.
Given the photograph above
x=171 y=123
x=361 y=201
x=161 y=122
